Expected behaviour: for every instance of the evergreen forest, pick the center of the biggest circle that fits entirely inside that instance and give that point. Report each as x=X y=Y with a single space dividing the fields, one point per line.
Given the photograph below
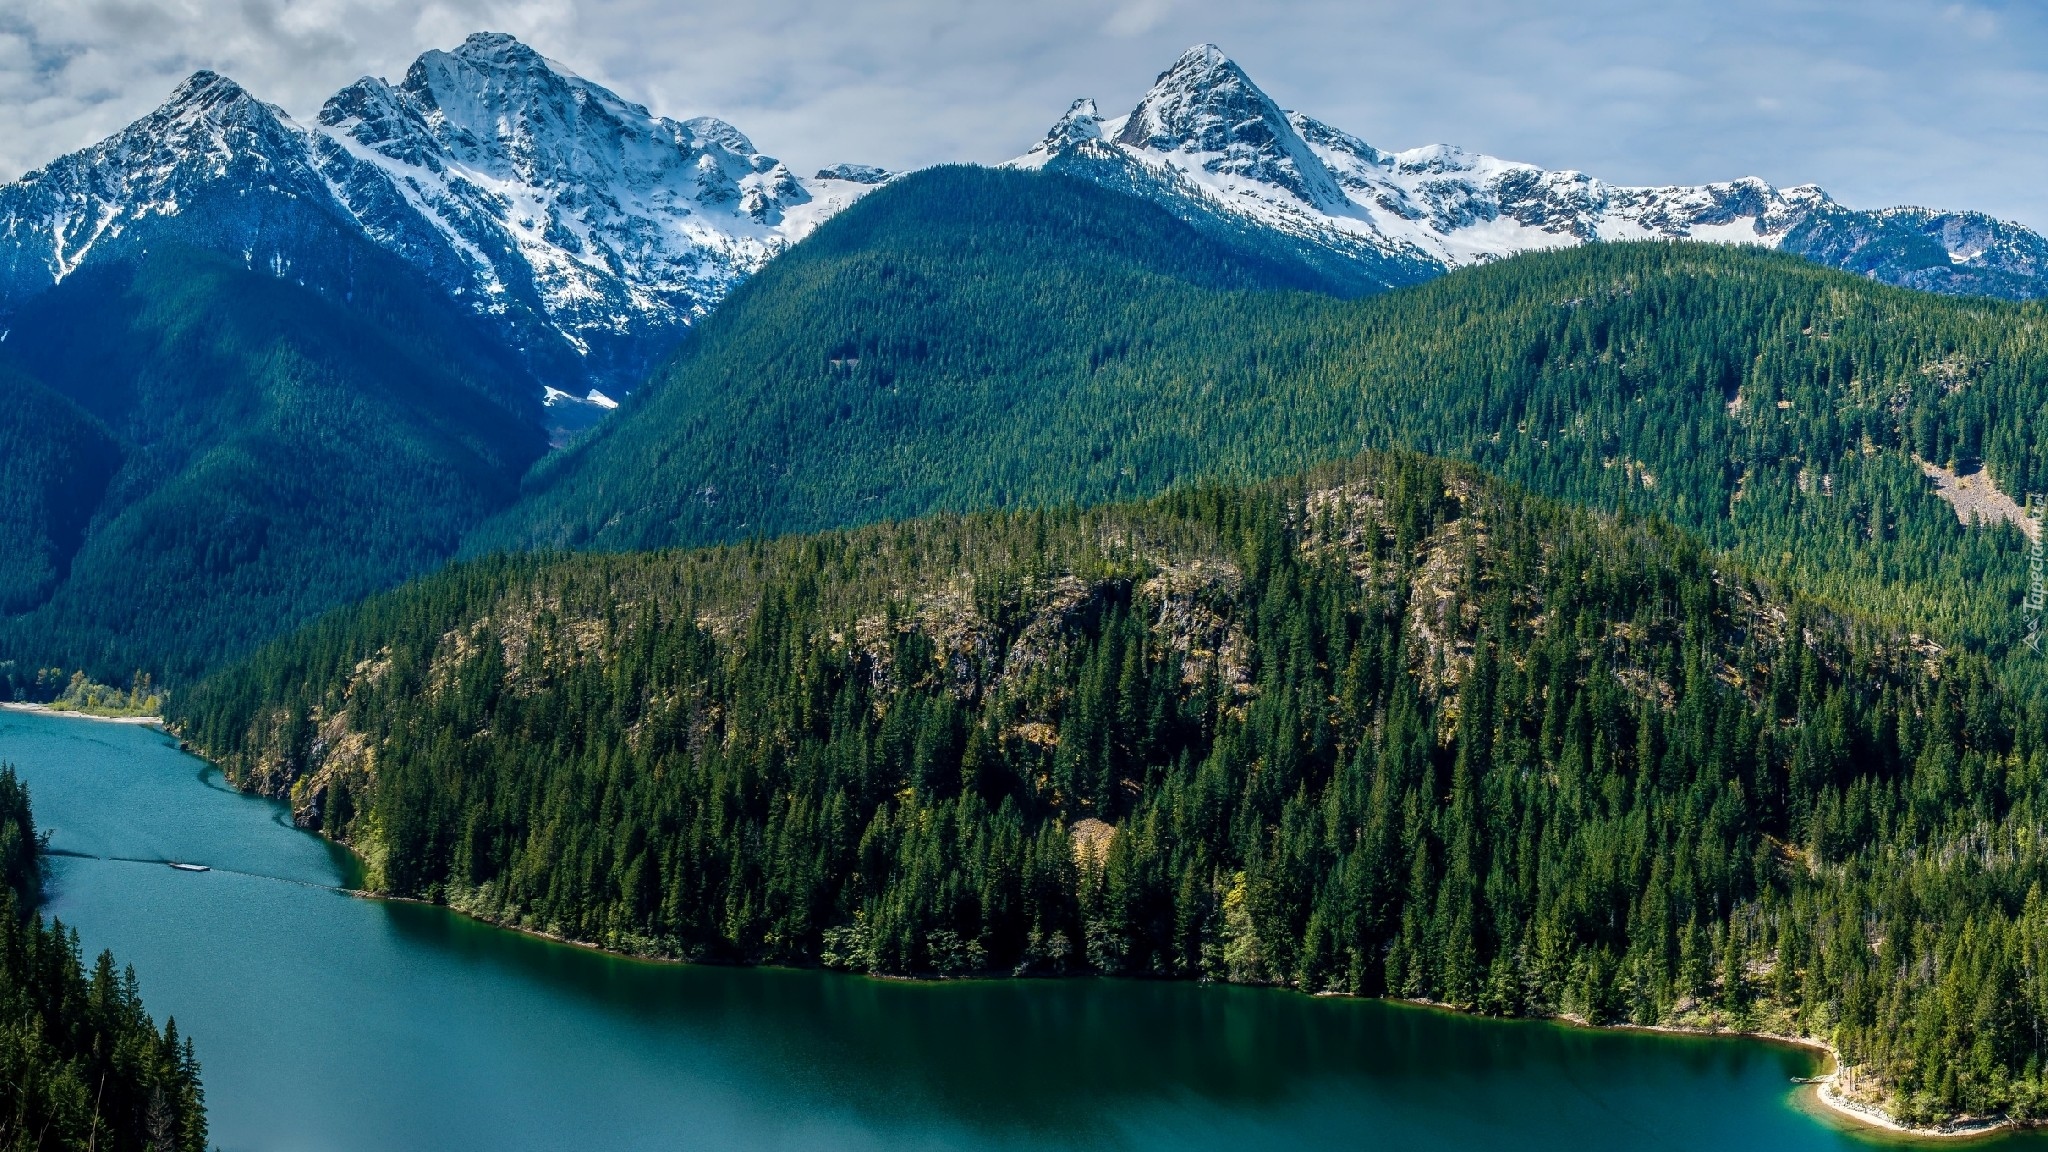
x=1389 y=727
x=82 y=1066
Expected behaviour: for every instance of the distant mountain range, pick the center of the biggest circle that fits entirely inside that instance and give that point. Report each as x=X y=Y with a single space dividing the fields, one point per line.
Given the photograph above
x=590 y=233
x=1215 y=149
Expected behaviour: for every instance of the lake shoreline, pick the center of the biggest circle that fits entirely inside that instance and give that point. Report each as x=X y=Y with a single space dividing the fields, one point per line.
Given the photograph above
x=1828 y=1095
x=1835 y=1107
x=69 y=714
x=535 y=933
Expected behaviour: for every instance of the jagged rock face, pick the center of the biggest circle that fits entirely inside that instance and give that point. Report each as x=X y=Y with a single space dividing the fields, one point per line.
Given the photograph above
x=856 y=173
x=1206 y=142
x=1207 y=110
x=587 y=230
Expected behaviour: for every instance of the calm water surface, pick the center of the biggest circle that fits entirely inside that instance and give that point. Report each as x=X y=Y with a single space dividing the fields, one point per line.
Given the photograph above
x=328 y=1022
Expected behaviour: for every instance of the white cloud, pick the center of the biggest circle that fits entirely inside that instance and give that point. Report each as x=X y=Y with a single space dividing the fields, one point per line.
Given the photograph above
x=1884 y=101
x=1138 y=16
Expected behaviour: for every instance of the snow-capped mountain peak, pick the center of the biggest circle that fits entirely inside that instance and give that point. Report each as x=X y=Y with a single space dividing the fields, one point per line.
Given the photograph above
x=208 y=135
x=204 y=96
x=207 y=121
x=506 y=111
x=618 y=221
x=380 y=117
x=588 y=228
x=1205 y=110
x=1081 y=123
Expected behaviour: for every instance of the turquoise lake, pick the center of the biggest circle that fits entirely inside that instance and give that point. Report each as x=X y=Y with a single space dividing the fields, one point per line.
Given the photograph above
x=324 y=1021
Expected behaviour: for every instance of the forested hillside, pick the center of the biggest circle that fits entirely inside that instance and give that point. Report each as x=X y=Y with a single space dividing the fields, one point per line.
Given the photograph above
x=55 y=461
x=82 y=1066
x=944 y=310
x=955 y=341
x=195 y=456
x=1390 y=728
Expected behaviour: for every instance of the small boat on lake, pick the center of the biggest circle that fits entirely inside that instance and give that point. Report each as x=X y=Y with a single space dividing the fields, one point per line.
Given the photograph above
x=190 y=867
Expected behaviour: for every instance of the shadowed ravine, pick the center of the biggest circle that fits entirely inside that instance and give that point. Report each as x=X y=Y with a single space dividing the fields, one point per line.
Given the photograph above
x=325 y=1021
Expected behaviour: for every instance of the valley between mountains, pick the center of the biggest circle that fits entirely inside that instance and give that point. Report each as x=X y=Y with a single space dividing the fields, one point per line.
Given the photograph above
x=1206 y=547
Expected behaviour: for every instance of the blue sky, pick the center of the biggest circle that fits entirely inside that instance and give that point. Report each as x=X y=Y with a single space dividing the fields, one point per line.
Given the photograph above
x=1882 y=102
